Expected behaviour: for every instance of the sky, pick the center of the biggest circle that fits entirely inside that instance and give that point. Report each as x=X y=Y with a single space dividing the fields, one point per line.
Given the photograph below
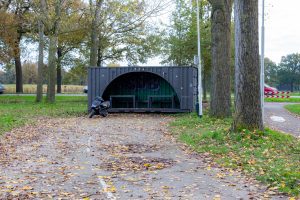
x=282 y=28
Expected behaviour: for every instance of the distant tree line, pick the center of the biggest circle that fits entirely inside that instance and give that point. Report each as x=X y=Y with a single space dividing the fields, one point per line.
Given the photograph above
x=76 y=75
x=286 y=74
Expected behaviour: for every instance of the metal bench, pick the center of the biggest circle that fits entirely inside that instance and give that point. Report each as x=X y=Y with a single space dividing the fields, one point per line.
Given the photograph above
x=123 y=96
x=151 y=97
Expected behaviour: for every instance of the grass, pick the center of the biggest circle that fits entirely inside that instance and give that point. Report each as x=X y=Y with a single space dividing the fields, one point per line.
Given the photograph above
x=16 y=111
x=31 y=89
x=289 y=100
x=294 y=108
x=272 y=157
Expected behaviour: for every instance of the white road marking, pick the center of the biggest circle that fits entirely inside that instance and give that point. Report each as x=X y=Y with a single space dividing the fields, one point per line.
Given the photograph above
x=89 y=141
x=102 y=182
x=105 y=188
x=89 y=145
x=277 y=119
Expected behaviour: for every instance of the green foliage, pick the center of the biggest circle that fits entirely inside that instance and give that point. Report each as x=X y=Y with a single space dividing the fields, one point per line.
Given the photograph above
x=125 y=33
x=77 y=74
x=294 y=108
x=286 y=73
x=271 y=69
x=181 y=40
x=270 y=156
x=289 y=71
x=16 y=111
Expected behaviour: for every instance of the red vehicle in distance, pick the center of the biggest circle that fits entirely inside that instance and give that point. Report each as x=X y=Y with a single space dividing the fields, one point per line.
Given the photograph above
x=270 y=90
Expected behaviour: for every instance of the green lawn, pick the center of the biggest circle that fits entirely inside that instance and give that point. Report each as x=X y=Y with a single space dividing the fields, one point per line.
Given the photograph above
x=290 y=100
x=16 y=111
x=295 y=108
x=272 y=157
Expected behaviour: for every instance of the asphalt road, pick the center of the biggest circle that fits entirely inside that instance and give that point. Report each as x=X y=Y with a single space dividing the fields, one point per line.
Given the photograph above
x=278 y=118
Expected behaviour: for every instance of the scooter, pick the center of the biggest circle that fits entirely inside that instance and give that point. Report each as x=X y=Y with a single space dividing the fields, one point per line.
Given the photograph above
x=99 y=107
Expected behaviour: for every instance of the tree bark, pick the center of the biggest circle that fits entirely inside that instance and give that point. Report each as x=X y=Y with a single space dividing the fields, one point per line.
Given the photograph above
x=18 y=66
x=52 y=68
x=220 y=102
x=59 y=70
x=248 y=111
x=52 y=59
x=39 y=90
x=94 y=35
x=99 y=57
x=204 y=88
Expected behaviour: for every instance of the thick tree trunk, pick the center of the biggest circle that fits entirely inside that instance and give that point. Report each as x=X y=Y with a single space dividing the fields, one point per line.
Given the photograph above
x=59 y=70
x=39 y=90
x=248 y=111
x=52 y=59
x=95 y=34
x=204 y=88
x=220 y=102
x=18 y=67
x=292 y=86
x=99 y=58
x=52 y=68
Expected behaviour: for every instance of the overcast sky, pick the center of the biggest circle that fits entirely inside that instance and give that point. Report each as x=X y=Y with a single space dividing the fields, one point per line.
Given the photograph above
x=282 y=24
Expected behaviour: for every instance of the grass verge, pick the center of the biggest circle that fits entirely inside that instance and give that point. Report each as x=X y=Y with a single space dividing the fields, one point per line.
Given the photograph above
x=294 y=108
x=16 y=111
x=272 y=157
x=290 y=100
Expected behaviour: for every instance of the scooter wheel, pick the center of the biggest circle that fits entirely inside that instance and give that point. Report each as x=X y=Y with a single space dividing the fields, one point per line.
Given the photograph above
x=104 y=114
x=92 y=113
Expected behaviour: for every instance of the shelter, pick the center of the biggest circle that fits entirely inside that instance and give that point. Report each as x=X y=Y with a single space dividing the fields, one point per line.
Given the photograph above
x=144 y=89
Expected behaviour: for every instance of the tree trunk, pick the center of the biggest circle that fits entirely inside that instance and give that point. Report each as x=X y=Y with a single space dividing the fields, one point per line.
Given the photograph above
x=220 y=102
x=95 y=34
x=52 y=68
x=248 y=111
x=99 y=57
x=18 y=66
x=52 y=60
x=59 y=70
x=204 y=88
x=39 y=90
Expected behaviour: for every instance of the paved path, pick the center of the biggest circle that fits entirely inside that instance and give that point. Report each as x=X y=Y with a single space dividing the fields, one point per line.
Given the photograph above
x=118 y=157
x=278 y=118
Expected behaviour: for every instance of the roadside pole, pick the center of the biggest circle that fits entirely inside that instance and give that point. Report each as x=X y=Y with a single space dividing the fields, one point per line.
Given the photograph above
x=262 y=73
x=199 y=63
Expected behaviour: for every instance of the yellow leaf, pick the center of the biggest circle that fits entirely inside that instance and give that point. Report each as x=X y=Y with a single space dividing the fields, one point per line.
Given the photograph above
x=147 y=165
x=111 y=189
x=26 y=187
